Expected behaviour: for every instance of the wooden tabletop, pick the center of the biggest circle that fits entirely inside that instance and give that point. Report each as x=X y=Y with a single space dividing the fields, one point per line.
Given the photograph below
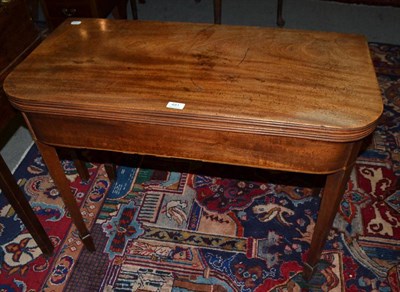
x=246 y=79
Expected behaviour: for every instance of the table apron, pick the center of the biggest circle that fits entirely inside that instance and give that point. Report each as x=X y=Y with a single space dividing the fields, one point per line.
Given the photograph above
x=236 y=148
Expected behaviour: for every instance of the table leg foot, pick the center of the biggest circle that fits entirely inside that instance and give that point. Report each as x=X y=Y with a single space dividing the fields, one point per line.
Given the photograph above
x=80 y=165
x=217 y=11
x=279 y=18
x=315 y=192
x=308 y=272
x=88 y=242
x=111 y=171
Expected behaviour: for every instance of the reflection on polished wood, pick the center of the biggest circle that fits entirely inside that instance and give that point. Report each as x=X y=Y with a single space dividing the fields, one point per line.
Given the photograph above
x=270 y=98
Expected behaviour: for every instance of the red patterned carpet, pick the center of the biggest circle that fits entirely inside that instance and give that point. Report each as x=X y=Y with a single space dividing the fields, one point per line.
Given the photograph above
x=184 y=226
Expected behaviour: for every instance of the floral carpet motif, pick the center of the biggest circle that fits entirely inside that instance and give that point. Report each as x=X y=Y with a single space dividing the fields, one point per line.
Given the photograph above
x=167 y=225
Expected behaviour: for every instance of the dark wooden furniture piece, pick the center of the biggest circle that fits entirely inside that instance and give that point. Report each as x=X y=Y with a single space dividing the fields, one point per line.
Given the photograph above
x=18 y=37
x=217 y=9
x=269 y=98
x=279 y=18
x=56 y=11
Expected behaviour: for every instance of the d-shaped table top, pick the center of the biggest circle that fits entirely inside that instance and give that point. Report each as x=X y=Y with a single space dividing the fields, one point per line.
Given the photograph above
x=247 y=79
x=260 y=97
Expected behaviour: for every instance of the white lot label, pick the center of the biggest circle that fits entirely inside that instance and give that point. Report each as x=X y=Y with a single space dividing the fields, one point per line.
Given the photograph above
x=175 y=105
x=76 y=22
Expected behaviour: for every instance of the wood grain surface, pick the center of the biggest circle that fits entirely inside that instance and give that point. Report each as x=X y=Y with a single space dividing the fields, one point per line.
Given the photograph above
x=243 y=79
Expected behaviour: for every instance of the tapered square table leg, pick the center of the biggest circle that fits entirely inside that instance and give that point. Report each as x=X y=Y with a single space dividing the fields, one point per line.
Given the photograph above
x=56 y=171
x=24 y=211
x=331 y=197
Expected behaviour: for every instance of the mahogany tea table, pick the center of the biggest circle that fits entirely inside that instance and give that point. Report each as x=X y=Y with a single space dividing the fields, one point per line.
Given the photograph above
x=278 y=99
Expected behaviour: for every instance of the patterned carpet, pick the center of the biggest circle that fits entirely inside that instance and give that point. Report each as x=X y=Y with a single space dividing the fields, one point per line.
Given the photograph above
x=185 y=226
